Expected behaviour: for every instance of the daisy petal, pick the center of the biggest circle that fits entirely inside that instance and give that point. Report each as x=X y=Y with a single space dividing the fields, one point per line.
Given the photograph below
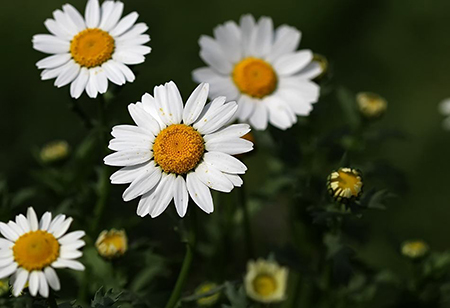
x=235 y=130
x=213 y=178
x=212 y=54
x=293 y=62
x=63 y=228
x=128 y=57
x=262 y=40
x=134 y=32
x=111 y=20
x=7 y=271
x=169 y=112
x=215 y=119
x=144 y=183
x=75 y=16
x=70 y=254
x=195 y=103
x=259 y=117
x=45 y=221
x=230 y=146
x=8 y=233
x=75 y=245
x=126 y=71
x=224 y=162
x=235 y=179
x=181 y=196
x=286 y=41
x=310 y=71
x=143 y=119
x=280 y=115
x=6 y=261
x=23 y=223
x=145 y=203
x=54 y=61
x=33 y=283
x=56 y=223
x=65 y=22
x=247 y=24
x=21 y=280
x=105 y=11
x=52 y=278
x=50 y=44
x=5 y=244
x=128 y=157
x=91 y=85
x=129 y=174
x=79 y=84
x=14 y=227
x=71 y=237
x=54 y=28
x=92 y=14
x=163 y=194
x=113 y=73
x=68 y=75
x=43 y=285
x=124 y=24
x=72 y=264
x=228 y=36
x=200 y=193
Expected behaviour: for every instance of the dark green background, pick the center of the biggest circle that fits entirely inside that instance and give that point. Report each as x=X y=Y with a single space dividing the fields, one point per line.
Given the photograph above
x=398 y=48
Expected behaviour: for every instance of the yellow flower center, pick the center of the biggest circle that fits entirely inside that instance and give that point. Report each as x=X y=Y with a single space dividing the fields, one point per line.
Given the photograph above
x=345 y=183
x=35 y=250
x=92 y=47
x=112 y=243
x=264 y=285
x=178 y=148
x=255 y=77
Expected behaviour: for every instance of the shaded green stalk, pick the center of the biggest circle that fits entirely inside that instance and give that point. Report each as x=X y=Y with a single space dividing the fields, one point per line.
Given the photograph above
x=103 y=189
x=87 y=122
x=246 y=221
x=187 y=262
x=103 y=185
x=52 y=301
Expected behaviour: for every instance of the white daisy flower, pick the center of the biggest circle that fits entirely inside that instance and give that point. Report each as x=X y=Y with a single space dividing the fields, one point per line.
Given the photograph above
x=260 y=69
x=89 y=51
x=176 y=151
x=266 y=281
x=444 y=109
x=30 y=250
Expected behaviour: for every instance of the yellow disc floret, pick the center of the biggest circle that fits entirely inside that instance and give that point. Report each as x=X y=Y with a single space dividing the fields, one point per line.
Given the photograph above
x=35 y=250
x=264 y=284
x=255 y=77
x=92 y=47
x=178 y=148
x=345 y=184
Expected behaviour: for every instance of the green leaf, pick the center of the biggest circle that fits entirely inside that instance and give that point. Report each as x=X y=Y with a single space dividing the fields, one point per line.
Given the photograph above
x=237 y=297
x=109 y=299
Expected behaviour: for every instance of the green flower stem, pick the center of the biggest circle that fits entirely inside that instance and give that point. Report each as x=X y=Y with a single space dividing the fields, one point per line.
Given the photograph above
x=75 y=107
x=187 y=262
x=103 y=189
x=246 y=221
x=52 y=301
x=103 y=185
